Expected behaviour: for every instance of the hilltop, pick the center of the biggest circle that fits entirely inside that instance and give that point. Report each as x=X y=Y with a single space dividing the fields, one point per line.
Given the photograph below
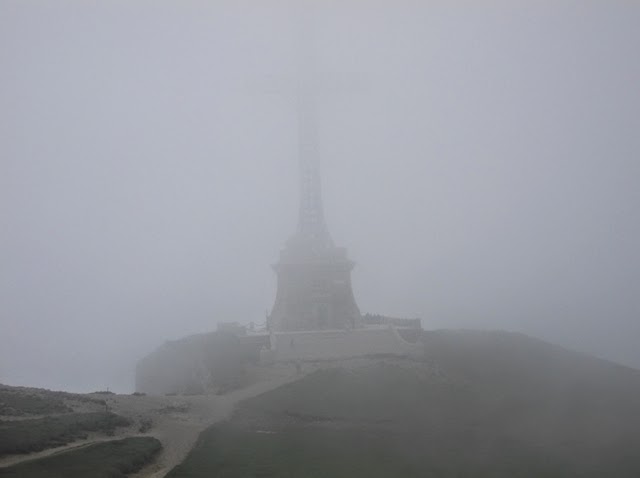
x=477 y=404
x=474 y=404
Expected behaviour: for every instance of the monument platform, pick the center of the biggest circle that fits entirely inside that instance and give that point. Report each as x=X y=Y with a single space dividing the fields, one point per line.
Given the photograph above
x=337 y=344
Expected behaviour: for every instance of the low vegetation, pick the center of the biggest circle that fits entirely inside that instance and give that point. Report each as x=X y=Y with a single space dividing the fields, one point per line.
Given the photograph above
x=25 y=436
x=16 y=402
x=111 y=459
x=478 y=405
x=25 y=401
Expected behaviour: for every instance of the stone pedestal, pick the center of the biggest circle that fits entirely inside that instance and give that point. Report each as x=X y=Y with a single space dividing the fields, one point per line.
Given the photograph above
x=314 y=289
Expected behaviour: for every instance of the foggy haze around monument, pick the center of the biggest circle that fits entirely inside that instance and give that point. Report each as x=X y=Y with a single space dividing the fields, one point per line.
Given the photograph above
x=481 y=163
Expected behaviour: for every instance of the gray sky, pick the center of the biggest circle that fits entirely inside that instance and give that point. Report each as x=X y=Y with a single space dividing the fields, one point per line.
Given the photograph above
x=482 y=167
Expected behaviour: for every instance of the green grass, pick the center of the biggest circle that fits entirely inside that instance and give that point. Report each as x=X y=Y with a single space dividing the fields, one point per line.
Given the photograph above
x=112 y=459
x=227 y=451
x=25 y=436
x=481 y=405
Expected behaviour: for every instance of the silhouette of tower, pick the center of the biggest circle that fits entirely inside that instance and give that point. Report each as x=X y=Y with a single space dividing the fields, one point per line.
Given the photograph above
x=314 y=276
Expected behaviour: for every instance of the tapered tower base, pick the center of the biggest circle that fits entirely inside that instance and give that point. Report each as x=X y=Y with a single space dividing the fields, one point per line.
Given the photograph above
x=314 y=288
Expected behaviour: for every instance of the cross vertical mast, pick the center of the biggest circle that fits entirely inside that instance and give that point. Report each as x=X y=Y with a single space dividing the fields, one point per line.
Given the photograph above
x=311 y=223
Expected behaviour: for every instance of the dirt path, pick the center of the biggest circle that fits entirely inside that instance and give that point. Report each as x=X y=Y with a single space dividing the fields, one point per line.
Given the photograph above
x=179 y=431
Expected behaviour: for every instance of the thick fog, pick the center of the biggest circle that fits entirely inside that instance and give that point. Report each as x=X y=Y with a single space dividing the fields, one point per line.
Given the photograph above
x=480 y=160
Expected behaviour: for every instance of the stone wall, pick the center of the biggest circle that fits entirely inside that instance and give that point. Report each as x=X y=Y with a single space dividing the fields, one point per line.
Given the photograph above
x=339 y=344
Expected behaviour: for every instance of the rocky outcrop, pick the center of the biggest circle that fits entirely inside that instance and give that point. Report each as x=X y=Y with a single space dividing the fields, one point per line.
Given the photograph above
x=194 y=364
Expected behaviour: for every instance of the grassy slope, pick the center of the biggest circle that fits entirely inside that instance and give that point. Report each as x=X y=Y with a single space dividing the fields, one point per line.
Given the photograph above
x=483 y=404
x=112 y=459
x=15 y=402
x=24 y=401
x=25 y=436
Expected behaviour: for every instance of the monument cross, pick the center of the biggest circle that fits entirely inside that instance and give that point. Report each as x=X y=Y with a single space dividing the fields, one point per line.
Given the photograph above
x=314 y=276
x=309 y=85
x=311 y=221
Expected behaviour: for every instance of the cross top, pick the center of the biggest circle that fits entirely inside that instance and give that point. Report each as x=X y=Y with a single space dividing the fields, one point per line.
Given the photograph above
x=311 y=222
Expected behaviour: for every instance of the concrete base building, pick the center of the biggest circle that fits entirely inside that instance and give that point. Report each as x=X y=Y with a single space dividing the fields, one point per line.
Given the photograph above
x=328 y=345
x=314 y=289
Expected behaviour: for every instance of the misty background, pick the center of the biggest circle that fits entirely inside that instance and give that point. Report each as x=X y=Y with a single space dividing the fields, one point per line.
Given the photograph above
x=481 y=165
